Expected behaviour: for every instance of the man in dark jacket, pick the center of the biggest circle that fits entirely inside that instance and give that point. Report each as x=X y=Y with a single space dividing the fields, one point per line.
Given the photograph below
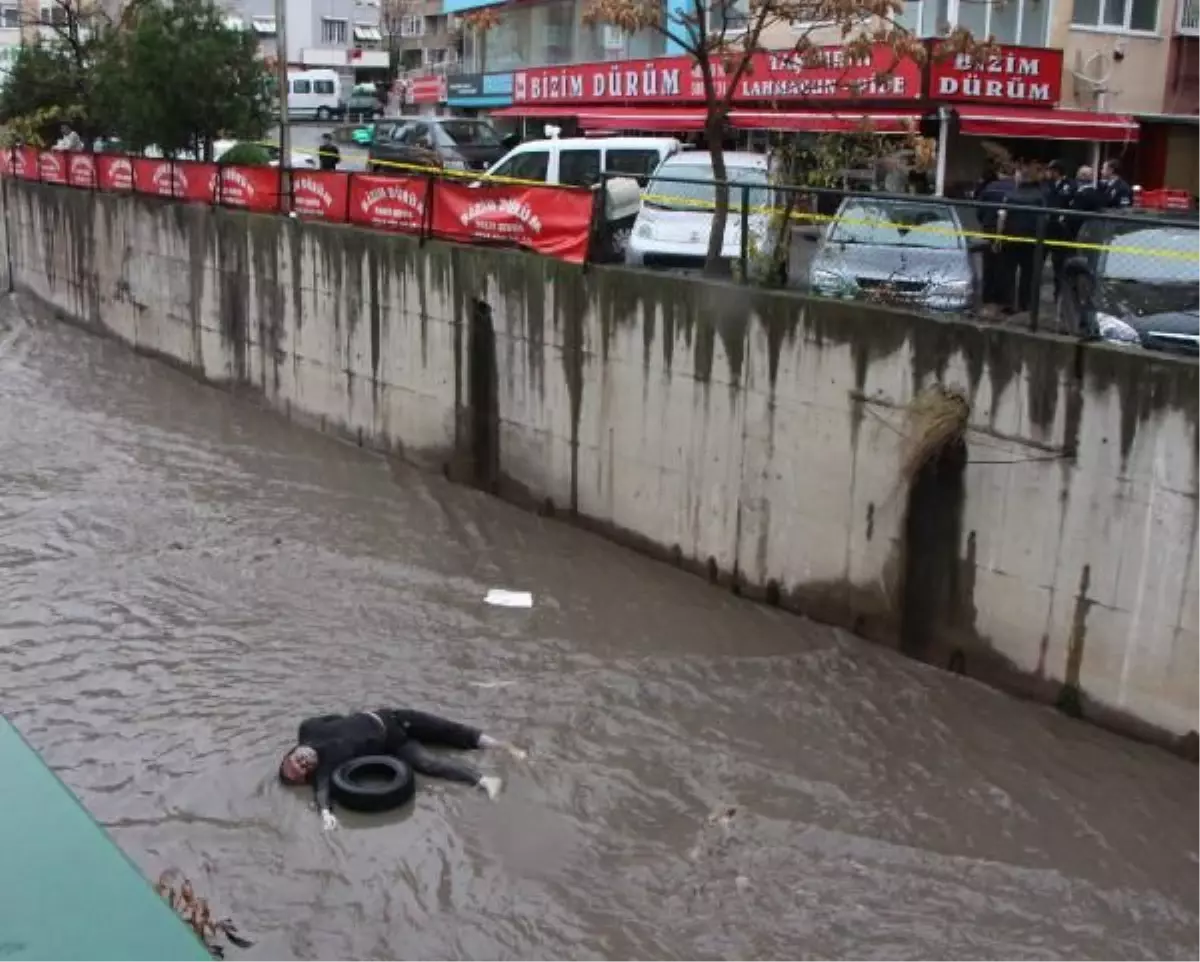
x=328 y=154
x=1021 y=224
x=1059 y=192
x=992 y=188
x=1115 y=189
x=326 y=742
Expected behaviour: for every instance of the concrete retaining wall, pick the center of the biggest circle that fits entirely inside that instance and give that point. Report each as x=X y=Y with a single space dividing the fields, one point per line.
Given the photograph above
x=753 y=436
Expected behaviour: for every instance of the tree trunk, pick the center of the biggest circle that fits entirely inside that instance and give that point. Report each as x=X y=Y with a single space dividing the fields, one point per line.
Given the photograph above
x=714 y=130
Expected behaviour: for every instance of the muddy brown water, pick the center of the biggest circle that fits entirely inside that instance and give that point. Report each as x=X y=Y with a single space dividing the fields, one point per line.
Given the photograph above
x=185 y=575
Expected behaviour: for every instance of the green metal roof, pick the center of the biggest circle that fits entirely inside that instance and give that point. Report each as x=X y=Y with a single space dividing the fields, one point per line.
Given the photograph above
x=66 y=890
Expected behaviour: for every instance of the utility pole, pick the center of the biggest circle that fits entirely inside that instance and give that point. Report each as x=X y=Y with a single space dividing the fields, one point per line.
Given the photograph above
x=281 y=66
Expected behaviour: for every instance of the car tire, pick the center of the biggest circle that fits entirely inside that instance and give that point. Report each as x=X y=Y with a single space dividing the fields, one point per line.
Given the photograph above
x=322 y=113
x=373 y=783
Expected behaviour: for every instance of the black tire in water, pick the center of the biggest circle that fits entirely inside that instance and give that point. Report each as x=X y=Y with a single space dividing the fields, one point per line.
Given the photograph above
x=373 y=783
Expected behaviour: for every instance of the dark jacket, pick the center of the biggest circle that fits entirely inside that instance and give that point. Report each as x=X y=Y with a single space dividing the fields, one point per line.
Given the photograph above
x=329 y=156
x=992 y=192
x=1058 y=195
x=1088 y=200
x=1117 y=193
x=339 y=738
x=1023 y=223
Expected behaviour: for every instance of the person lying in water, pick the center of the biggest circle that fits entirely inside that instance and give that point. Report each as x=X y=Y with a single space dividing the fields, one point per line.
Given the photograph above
x=326 y=742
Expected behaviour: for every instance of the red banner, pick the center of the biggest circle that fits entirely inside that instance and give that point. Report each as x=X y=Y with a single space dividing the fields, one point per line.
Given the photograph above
x=322 y=194
x=153 y=176
x=1021 y=76
x=26 y=163
x=114 y=172
x=81 y=170
x=427 y=90
x=52 y=167
x=252 y=188
x=194 y=181
x=554 y=221
x=826 y=73
x=392 y=203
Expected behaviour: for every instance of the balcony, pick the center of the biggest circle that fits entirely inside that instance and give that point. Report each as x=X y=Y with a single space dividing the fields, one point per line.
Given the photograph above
x=1187 y=22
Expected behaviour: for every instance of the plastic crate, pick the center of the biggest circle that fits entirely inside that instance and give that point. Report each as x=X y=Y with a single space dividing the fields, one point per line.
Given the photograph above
x=1165 y=199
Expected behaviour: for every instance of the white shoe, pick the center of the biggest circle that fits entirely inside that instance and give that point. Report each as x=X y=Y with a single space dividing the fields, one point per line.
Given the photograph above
x=491 y=784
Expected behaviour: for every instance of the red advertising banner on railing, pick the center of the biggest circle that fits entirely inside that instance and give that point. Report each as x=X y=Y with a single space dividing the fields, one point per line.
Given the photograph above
x=251 y=188
x=390 y=203
x=52 y=167
x=81 y=171
x=153 y=176
x=553 y=221
x=321 y=193
x=26 y=163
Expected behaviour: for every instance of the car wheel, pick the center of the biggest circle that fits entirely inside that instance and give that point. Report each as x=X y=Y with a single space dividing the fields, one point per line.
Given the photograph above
x=322 y=113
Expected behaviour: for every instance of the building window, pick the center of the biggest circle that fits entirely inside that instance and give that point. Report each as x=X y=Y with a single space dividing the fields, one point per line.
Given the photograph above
x=412 y=26
x=1021 y=22
x=728 y=16
x=263 y=26
x=10 y=15
x=334 y=32
x=56 y=15
x=1139 y=15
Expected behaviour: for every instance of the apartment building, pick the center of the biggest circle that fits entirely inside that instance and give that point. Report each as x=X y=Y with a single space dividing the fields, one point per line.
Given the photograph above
x=344 y=35
x=423 y=35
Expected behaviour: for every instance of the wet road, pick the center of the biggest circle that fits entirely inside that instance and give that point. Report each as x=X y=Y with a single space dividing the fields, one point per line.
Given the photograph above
x=185 y=575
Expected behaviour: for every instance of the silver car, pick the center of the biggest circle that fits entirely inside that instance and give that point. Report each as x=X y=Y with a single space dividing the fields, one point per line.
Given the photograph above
x=897 y=252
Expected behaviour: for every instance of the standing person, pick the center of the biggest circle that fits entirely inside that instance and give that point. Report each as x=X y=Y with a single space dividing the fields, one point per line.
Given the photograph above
x=993 y=187
x=328 y=154
x=1020 y=222
x=1059 y=192
x=1116 y=190
x=1086 y=199
x=326 y=742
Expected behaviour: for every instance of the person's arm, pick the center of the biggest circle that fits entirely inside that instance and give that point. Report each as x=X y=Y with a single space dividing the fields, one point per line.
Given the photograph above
x=322 y=779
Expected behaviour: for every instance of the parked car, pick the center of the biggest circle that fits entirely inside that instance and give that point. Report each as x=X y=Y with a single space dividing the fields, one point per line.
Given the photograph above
x=1142 y=288
x=580 y=160
x=895 y=251
x=362 y=103
x=453 y=143
x=363 y=135
x=673 y=227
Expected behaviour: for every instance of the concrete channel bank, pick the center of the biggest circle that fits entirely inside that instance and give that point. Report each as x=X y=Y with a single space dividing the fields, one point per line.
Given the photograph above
x=751 y=436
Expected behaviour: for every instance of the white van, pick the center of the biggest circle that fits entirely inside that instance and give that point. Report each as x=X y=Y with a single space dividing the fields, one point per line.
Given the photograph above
x=578 y=161
x=314 y=94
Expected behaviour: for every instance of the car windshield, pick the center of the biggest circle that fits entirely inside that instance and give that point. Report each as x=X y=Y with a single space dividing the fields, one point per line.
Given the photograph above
x=690 y=187
x=1152 y=256
x=469 y=133
x=892 y=224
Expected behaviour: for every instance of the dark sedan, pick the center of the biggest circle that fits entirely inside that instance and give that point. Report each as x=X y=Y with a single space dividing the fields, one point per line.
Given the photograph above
x=452 y=143
x=1142 y=289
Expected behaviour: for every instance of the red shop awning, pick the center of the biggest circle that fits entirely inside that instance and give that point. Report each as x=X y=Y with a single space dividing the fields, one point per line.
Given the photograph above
x=648 y=119
x=1046 y=123
x=825 y=121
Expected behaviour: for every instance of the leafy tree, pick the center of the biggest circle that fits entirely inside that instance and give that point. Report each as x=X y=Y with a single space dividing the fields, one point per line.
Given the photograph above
x=722 y=37
x=177 y=76
x=53 y=79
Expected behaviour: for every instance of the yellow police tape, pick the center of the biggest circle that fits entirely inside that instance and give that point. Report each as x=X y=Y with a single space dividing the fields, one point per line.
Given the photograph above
x=804 y=217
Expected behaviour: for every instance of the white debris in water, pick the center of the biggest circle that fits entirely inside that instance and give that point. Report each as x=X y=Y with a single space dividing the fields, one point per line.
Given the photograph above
x=491 y=684
x=509 y=599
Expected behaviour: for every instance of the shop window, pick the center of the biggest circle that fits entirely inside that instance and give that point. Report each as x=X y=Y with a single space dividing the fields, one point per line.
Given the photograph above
x=531 y=165
x=334 y=32
x=632 y=163
x=1139 y=15
x=1022 y=22
x=579 y=168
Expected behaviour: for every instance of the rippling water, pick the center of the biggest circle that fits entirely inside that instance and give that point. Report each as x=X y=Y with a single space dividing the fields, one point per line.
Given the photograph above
x=185 y=576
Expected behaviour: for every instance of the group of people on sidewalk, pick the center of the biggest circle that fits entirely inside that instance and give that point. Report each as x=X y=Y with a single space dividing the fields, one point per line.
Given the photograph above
x=1009 y=265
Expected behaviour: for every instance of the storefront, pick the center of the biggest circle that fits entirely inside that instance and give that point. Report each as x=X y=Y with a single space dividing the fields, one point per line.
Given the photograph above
x=1011 y=99
x=471 y=93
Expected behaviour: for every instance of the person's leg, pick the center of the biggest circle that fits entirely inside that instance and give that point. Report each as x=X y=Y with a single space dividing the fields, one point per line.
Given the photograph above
x=433 y=730
x=428 y=763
